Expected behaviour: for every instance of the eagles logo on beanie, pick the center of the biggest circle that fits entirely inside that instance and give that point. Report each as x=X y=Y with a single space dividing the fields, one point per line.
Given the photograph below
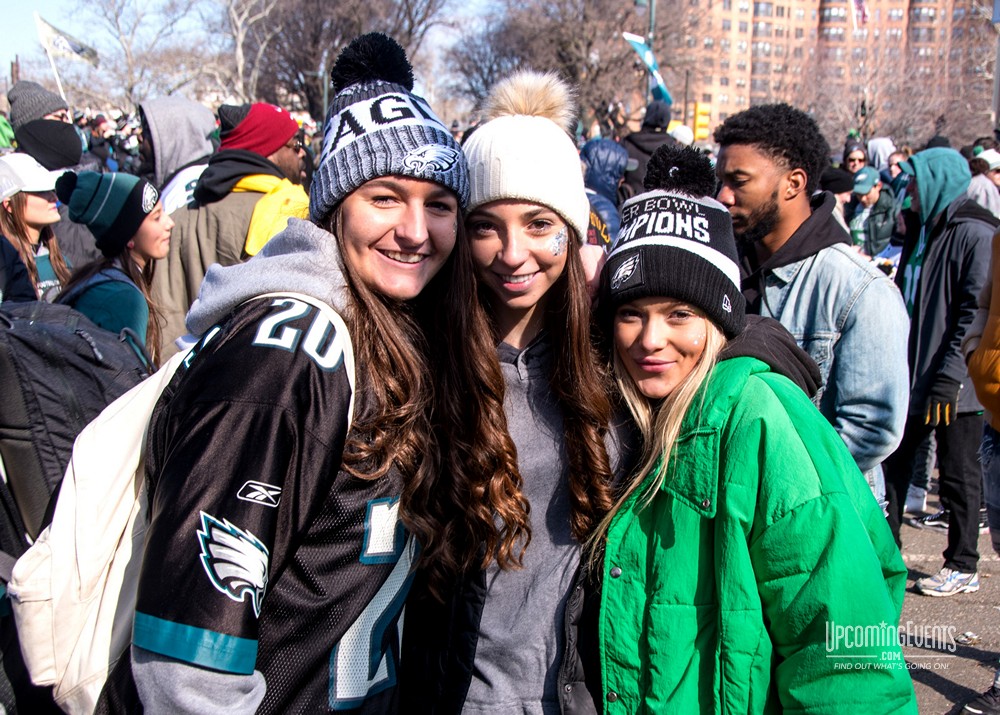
x=378 y=127
x=112 y=205
x=524 y=150
x=676 y=242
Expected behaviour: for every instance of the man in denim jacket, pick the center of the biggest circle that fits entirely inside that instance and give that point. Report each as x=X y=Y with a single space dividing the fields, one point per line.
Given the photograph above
x=798 y=266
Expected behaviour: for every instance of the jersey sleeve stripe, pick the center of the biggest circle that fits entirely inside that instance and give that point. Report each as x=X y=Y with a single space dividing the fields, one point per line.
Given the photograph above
x=218 y=651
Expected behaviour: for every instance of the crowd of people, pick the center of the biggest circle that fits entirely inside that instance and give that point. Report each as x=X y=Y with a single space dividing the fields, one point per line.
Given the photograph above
x=624 y=424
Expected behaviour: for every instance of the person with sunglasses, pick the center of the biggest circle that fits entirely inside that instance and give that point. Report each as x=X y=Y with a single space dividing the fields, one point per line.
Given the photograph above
x=246 y=194
x=855 y=157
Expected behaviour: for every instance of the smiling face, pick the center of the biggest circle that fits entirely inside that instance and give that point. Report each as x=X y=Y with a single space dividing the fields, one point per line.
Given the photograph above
x=398 y=233
x=659 y=341
x=152 y=241
x=520 y=250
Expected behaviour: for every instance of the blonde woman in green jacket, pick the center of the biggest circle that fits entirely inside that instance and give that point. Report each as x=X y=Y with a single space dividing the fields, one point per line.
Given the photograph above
x=751 y=571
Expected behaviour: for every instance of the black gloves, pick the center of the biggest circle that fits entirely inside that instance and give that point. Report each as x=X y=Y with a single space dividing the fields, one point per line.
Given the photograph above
x=942 y=402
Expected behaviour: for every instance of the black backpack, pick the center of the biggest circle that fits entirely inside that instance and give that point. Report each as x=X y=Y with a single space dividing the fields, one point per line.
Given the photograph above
x=58 y=371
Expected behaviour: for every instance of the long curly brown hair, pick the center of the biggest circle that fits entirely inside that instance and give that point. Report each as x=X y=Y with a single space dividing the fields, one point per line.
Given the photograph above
x=433 y=408
x=580 y=385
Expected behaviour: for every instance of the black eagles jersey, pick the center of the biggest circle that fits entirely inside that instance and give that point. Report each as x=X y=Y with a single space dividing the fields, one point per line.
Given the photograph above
x=261 y=553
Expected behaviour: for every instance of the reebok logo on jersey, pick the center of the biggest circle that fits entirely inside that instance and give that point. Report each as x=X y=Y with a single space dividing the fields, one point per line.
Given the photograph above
x=235 y=560
x=260 y=493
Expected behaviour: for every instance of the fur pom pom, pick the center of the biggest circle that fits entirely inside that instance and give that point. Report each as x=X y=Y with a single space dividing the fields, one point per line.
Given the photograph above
x=533 y=94
x=369 y=58
x=682 y=169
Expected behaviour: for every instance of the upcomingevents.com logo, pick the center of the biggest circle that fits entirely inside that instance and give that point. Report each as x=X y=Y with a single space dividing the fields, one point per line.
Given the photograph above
x=877 y=647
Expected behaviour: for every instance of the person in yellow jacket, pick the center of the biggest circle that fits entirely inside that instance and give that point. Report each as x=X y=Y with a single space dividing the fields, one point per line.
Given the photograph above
x=982 y=353
x=247 y=193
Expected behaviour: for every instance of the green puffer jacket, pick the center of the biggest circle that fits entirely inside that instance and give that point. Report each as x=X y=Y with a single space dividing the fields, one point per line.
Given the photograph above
x=717 y=597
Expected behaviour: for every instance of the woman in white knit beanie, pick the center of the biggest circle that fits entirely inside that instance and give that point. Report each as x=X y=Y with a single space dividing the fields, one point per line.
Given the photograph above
x=526 y=222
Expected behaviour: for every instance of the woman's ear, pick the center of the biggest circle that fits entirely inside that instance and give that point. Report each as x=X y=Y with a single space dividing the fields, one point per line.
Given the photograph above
x=6 y=206
x=130 y=245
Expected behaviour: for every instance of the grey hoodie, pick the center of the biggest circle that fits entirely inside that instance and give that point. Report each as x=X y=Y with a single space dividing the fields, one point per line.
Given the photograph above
x=180 y=131
x=303 y=258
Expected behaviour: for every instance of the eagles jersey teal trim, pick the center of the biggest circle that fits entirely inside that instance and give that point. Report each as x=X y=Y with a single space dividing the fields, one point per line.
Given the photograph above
x=218 y=651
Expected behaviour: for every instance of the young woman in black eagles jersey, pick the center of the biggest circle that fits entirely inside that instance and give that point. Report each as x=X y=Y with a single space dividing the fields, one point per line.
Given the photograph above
x=283 y=529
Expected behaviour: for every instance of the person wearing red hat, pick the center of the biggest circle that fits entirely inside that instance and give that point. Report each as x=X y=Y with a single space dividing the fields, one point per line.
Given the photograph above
x=247 y=193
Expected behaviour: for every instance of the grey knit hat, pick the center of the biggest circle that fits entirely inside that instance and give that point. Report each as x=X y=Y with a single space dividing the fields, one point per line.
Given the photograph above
x=378 y=127
x=30 y=101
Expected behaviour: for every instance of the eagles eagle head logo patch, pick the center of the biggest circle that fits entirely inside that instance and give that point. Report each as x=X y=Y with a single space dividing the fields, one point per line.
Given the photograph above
x=432 y=157
x=235 y=560
x=625 y=271
x=149 y=198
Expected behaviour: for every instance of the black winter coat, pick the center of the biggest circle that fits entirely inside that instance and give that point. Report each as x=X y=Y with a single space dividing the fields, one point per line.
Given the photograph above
x=640 y=146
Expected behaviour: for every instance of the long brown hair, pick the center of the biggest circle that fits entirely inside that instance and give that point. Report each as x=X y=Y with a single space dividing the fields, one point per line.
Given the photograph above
x=143 y=279
x=14 y=227
x=580 y=385
x=433 y=408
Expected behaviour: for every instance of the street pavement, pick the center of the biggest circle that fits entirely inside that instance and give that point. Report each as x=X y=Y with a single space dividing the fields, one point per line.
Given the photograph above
x=947 y=669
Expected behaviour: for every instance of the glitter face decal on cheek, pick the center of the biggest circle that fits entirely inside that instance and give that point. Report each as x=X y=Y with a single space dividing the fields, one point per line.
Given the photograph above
x=558 y=242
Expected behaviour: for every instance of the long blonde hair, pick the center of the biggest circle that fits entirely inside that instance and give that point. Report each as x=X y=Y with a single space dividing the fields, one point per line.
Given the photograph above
x=659 y=425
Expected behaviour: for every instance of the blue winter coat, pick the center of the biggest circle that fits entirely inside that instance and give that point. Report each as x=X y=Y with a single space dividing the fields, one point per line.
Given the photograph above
x=606 y=161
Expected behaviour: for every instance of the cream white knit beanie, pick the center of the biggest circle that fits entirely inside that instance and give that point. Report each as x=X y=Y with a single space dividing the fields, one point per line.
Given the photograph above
x=524 y=151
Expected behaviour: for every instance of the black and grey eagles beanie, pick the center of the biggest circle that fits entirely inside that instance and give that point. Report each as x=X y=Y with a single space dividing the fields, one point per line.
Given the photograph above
x=677 y=242
x=378 y=127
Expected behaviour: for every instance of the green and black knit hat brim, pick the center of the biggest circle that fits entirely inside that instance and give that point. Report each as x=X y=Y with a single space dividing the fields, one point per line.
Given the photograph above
x=112 y=205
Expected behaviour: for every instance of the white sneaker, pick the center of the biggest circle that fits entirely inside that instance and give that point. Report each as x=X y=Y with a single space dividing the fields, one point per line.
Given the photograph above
x=947 y=582
x=916 y=501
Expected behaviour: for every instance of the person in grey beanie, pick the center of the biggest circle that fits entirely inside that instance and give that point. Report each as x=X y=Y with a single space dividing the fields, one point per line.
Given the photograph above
x=43 y=129
x=30 y=101
x=643 y=143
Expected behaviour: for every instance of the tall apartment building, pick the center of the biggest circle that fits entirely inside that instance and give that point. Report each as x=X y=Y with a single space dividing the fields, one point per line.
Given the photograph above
x=851 y=62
